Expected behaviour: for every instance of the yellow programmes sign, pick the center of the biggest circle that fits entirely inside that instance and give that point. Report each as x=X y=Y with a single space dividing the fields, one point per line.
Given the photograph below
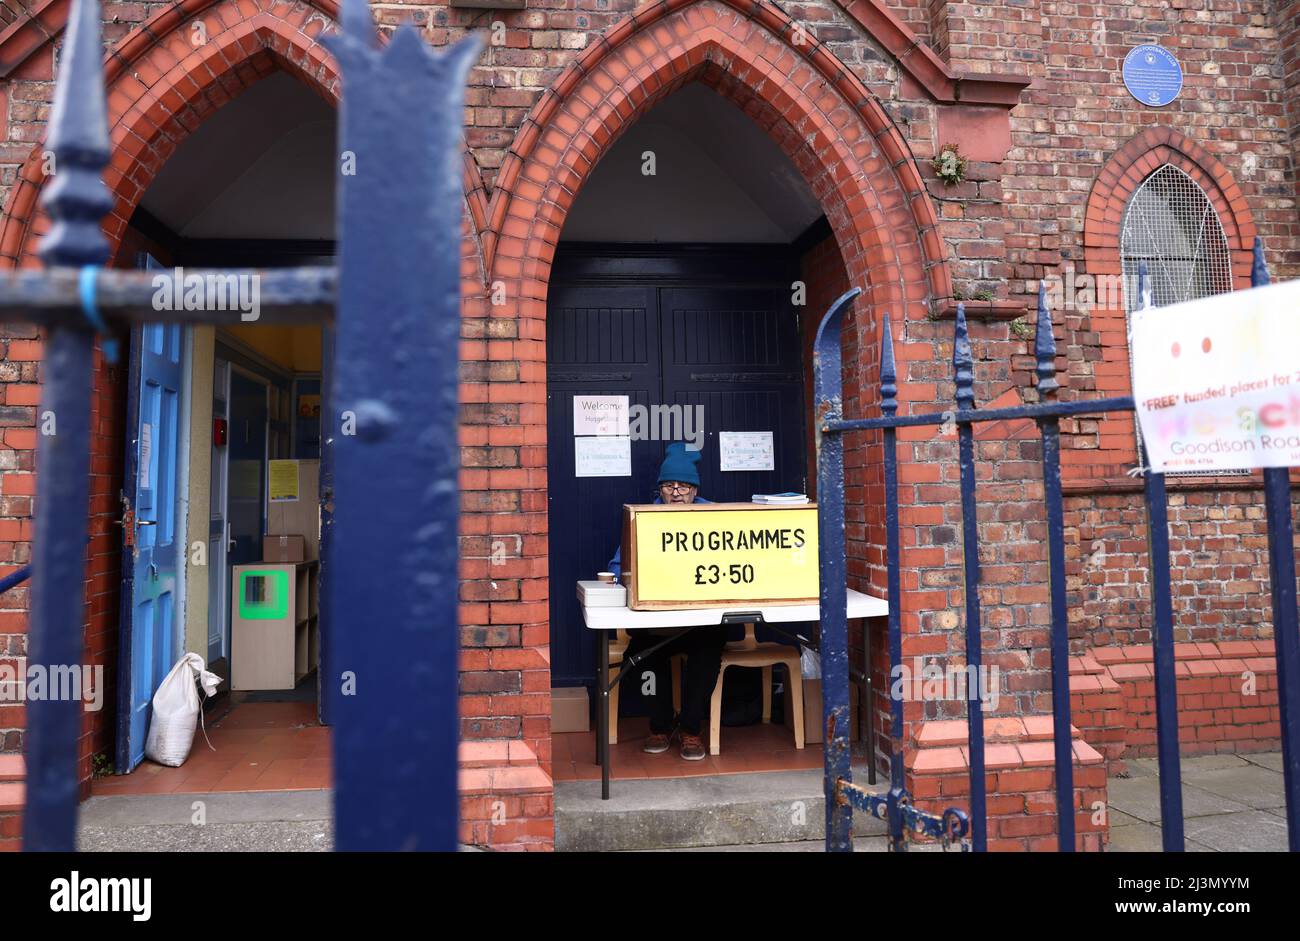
x=723 y=553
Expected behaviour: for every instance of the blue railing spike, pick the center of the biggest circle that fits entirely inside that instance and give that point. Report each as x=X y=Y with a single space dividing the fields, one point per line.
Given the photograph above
x=394 y=621
x=888 y=371
x=1045 y=346
x=963 y=362
x=1258 y=268
x=76 y=200
x=76 y=197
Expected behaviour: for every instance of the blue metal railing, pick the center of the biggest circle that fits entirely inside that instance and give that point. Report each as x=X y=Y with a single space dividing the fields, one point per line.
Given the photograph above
x=391 y=637
x=954 y=823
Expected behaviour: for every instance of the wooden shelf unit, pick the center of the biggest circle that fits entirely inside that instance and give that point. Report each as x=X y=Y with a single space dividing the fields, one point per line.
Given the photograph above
x=274 y=624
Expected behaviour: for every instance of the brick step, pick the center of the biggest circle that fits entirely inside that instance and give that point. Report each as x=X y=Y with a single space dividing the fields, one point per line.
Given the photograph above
x=12 y=768
x=496 y=753
x=11 y=796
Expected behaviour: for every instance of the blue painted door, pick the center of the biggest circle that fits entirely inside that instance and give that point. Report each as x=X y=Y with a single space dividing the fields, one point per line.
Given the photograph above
x=730 y=350
x=154 y=544
x=600 y=341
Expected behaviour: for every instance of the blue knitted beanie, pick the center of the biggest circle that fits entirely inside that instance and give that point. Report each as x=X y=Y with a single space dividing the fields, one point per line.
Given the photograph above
x=680 y=464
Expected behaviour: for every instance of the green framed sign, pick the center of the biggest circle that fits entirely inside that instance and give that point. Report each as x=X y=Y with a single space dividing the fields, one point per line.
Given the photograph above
x=263 y=596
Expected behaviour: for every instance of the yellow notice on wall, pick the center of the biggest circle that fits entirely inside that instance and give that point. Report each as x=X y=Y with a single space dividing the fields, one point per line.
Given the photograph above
x=282 y=481
x=737 y=553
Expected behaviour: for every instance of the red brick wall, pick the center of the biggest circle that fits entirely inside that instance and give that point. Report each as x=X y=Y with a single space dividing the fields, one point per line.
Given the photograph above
x=103 y=562
x=1218 y=544
x=859 y=112
x=20 y=393
x=1020 y=782
x=1226 y=699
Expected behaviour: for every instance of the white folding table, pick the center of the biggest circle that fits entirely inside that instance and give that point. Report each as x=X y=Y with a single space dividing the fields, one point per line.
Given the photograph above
x=608 y=620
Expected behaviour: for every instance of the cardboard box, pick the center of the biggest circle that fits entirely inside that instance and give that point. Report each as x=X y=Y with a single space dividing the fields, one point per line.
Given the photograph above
x=812 y=710
x=283 y=549
x=570 y=709
x=707 y=555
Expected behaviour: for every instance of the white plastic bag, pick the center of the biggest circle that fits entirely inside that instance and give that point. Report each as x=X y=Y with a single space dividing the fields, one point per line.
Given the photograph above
x=176 y=709
x=810 y=664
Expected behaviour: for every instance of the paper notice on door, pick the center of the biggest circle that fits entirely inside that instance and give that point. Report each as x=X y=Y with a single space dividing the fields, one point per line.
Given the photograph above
x=1215 y=381
x=282 y=481
x=146 y=454
x=746 y=451
x=605 y=456
x=600 y=414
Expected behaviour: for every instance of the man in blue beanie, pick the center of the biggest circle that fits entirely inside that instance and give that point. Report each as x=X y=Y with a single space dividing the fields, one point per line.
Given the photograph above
x=679 y=482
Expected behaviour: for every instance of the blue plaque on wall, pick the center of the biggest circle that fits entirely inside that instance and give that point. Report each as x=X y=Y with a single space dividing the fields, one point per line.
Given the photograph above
x=1152 y=75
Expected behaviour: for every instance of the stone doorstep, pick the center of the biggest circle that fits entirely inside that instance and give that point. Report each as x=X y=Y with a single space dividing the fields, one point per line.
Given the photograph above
x=747 y=809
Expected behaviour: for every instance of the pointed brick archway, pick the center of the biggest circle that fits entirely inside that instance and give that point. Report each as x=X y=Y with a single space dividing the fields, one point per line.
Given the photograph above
x=828 y=124
x=826 y=121
x=167 y=77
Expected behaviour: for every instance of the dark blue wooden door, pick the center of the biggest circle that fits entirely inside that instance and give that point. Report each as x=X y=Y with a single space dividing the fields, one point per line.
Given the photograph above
x=600 y=341
x=734 y=355
x=247 y=462
x=732 y=349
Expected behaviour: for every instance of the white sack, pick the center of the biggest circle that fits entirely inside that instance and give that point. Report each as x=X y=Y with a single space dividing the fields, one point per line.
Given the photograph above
x=810 y=664
x=176 y=709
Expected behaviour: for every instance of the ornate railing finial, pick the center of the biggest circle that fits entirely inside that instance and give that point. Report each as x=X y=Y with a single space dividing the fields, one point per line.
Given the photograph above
x=888 y=372
x=1045 y=346
x=1259 y=267
x=396 y=333
x=963 y=362
x=77 y=199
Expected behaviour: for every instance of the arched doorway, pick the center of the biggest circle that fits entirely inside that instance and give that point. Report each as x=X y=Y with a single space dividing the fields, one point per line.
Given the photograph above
x=166 y=84
x=826 y=123
x=235 y=436
x=678 y=296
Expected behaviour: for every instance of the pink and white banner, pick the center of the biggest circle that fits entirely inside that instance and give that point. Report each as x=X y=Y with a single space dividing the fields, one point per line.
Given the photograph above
x=1217 y=381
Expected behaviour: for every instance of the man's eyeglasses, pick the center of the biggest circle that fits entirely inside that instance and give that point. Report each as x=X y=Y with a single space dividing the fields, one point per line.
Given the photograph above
x=676 y=488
